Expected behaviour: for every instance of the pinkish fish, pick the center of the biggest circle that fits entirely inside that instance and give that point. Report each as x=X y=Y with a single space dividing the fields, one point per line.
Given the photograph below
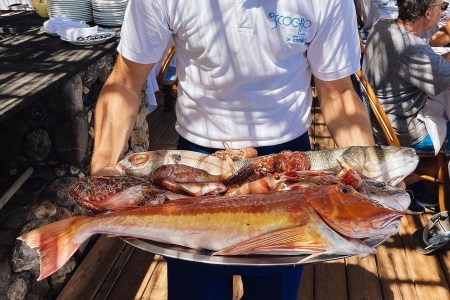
x=276 y=223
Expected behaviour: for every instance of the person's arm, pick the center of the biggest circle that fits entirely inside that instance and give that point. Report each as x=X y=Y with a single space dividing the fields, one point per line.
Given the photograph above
x=442 y=37
x=344 y=113
x=446 y=56
x=115 y=114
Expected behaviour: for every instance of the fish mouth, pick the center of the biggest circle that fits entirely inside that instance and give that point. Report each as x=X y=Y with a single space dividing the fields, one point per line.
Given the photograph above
x=385 y=195
x=387 y=227
x=392 y=220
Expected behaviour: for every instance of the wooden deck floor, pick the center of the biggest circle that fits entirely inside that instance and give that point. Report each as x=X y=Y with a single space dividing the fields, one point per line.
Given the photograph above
x=116 y=270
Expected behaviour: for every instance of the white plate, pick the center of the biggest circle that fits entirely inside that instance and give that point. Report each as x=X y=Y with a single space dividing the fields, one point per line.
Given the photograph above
x=86 y=43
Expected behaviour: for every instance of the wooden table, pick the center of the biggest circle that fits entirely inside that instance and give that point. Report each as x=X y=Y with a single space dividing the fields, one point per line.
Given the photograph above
x=33 y=63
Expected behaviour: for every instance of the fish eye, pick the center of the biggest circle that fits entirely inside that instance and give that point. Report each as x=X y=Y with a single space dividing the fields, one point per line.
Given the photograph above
x=138 y=159
x=345 y=191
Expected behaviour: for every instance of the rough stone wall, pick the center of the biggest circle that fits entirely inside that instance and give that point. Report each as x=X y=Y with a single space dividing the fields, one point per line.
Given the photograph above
x=54 y=136
x=59 y=127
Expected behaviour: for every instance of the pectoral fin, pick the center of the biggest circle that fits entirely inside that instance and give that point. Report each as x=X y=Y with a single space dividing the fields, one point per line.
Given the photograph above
x=292 y=241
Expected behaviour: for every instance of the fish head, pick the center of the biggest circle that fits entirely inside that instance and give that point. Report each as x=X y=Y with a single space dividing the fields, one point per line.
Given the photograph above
x=90 y=190
x=352 y=214
x=136 y=164
x=385 y=194
x=382 y=163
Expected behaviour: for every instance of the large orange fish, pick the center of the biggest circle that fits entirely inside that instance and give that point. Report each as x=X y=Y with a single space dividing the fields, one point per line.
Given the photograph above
x=274 y=223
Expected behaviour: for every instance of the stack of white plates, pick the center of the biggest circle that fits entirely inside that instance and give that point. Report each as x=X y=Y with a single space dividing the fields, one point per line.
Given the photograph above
x=80 y=10
x=109 y=12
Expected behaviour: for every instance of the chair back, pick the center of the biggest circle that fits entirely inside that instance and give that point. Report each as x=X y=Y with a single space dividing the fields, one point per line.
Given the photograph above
x=375 y=110
x=165 y=65
x=378 y=117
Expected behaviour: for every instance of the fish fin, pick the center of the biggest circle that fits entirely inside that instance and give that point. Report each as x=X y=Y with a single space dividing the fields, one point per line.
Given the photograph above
x=309 y=257
x=293 y=240
x=55 y=243
x=130 y=202
x=230 y=162
x=349 y=175
x=174 y=187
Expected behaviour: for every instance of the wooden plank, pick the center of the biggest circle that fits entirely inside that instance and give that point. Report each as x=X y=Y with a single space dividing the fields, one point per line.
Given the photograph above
x=156 y=288
x=393 y=270
x=362 y=278
x=444 y=258
x=162 y=147
x=157 y=129
x=154 y=116
x=147 y=277
x=156 y=279
x=86 y=280
x=170 y=135
x=330 y=280
x=307 y=284
x=428 y=277
x=114 y=273
x=132 y=276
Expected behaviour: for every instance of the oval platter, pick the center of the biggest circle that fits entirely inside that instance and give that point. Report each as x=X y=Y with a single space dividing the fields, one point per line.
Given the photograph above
x=205 y=256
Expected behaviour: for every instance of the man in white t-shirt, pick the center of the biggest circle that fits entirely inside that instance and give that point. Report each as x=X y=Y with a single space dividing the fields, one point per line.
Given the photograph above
x=244 y=70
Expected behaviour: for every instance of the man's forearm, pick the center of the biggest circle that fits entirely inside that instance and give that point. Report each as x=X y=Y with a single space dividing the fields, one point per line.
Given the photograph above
x=115 y=114
x=345 y=115
x=114 y=120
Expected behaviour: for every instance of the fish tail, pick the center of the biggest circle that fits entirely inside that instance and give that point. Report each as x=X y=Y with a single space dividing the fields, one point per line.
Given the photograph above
x=55 y=243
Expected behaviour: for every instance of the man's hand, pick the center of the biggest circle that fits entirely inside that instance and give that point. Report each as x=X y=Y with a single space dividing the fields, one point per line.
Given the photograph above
x=106 y=171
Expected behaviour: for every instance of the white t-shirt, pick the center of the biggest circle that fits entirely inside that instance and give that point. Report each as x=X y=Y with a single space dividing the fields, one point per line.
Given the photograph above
x=244 y=67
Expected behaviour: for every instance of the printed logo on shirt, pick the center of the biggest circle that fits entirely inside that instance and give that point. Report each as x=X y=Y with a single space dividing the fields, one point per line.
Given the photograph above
x=299 y=24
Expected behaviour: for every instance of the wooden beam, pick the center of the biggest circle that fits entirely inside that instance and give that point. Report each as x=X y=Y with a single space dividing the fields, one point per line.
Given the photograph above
x=94 y=270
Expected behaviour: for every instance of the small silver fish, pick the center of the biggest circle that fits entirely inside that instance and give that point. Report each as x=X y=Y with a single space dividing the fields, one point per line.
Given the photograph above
x=388 y=164
x=143 y=164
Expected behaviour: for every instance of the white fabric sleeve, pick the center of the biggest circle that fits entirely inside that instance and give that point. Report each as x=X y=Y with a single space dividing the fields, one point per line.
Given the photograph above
x=334 y=52
x=145 y=32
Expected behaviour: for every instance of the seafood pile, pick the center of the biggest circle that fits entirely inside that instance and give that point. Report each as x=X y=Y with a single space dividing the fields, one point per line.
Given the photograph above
x=290 y=203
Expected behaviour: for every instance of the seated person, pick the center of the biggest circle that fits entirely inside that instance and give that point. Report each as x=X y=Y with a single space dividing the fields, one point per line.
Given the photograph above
x=404 y=72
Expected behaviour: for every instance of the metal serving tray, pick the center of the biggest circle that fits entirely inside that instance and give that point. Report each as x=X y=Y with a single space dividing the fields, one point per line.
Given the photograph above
x=205 y=256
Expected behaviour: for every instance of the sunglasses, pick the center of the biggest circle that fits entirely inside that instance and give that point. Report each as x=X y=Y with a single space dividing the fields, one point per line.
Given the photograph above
x=443 y=6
